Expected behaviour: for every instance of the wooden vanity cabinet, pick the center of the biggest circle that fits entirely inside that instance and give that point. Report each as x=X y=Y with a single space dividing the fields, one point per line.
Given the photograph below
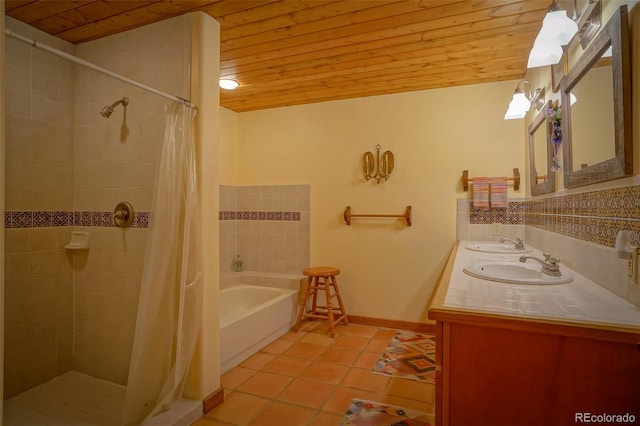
x=496 y=372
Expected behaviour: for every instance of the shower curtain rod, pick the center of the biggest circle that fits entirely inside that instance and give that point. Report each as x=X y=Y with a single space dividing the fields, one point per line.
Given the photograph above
x=9 y=33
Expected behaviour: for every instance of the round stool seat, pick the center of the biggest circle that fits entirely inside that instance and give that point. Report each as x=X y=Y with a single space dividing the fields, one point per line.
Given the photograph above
x=321 y=271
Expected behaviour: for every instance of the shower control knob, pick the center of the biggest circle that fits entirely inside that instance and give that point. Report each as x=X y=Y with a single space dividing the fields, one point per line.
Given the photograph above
x=123 y=214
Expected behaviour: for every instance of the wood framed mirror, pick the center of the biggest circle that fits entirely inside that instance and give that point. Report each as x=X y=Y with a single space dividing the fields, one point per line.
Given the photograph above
x=596 y=129
x=542 y=178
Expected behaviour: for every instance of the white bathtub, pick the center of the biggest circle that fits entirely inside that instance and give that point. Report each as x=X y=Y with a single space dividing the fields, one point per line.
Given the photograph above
x=251 y=317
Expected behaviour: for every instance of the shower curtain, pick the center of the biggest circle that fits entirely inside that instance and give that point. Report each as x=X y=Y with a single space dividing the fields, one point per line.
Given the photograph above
x=169 y=311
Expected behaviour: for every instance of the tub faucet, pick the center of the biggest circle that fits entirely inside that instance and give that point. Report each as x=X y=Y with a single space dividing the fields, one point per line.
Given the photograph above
x=550 y=265
x=517 y=242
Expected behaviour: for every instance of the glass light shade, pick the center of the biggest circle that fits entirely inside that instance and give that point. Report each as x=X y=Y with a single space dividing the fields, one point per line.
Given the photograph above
x=229 y=84
x=514 y=115
x=518 y=106
x=544 y=52
x=559 y=27
x=572 y=98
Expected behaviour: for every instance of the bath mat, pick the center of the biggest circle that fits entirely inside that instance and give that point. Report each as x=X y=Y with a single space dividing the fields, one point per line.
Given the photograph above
x=409 y=356
x=370 y=413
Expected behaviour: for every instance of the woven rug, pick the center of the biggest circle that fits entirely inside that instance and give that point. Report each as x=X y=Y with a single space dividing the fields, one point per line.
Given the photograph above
x=410 y=356
x=370 y=413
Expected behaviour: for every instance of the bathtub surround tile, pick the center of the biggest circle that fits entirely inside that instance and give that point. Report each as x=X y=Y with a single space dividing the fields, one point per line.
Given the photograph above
x=312 y=397
x=268 y=226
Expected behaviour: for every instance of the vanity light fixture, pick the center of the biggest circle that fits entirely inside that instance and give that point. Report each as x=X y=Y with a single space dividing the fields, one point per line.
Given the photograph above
x=522 y=99
x=228 y=83
x=557 y=31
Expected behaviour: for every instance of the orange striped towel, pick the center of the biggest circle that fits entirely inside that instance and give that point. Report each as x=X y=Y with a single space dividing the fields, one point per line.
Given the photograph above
x=499 y=192
x=481 y=193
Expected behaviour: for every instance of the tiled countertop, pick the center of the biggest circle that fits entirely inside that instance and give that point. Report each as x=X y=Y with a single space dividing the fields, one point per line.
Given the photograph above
x=579 y=302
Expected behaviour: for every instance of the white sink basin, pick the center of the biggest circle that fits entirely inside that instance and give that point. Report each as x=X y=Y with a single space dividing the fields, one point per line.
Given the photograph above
x=514 y=273
x=504 y=248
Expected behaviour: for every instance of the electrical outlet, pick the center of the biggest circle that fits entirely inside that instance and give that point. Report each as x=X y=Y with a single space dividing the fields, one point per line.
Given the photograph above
x=496 y=229
x=632 y=267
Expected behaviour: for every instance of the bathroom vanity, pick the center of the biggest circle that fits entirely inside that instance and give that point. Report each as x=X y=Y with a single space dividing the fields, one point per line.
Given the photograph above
x=516 y=354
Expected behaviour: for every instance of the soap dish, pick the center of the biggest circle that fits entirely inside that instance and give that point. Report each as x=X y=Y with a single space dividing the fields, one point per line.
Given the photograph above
x=79 y=241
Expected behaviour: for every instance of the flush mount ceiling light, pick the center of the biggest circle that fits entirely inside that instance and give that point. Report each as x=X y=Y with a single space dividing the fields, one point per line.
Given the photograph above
x=557 y=31
x=228 y=83
x=521 y=101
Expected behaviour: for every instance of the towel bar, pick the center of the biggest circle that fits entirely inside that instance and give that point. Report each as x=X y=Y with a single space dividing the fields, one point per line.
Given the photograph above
x=515 y=179
x=406 y=215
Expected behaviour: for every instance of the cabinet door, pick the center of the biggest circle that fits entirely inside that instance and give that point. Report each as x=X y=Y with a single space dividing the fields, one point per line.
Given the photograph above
x=495 y=376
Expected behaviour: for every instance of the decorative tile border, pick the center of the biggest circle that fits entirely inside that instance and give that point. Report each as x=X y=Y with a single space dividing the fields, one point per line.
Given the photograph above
x=594 y=216
x=16 y=219
x=513 y=214
x=259 y=215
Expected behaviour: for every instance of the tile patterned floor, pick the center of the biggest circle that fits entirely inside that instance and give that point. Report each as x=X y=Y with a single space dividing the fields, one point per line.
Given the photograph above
x=308 y=378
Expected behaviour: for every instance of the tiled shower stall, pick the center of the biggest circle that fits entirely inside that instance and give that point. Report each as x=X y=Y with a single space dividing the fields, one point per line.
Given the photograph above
x=66 y=169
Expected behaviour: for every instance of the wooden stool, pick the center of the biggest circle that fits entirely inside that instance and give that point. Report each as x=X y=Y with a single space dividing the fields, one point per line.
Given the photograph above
x=322 y=278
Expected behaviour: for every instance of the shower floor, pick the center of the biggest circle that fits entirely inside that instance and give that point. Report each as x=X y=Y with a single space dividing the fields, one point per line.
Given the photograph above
x=71 y=399
x=75 y=399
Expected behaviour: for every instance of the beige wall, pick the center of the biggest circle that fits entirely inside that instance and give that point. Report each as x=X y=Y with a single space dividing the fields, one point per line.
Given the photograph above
x=389 y=270
x=204 y=375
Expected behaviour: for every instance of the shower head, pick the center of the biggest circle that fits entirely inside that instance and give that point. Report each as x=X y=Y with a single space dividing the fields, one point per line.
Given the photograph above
x=108 y=110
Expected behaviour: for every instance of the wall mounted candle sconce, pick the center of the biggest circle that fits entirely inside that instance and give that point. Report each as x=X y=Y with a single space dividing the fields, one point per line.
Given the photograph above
x=382 y=166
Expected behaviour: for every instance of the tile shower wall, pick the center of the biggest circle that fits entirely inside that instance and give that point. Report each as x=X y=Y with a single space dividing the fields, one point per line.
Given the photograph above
x=39 y=177
x=268 y=226
x=115 y=160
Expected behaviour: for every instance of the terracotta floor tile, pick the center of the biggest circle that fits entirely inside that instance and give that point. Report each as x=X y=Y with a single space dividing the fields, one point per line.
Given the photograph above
x=366 y=380
x=367 y=360
x=353 y=342
x=326 y=372
x=206 y=421
x=235 y=377
x=258 y=360
x=340 y=400
x=265 y=384
x=411 y=389
x=239 y=409
x=411 y=404
x=327 y=419
x=292 y=336
x=284 y=414
x=318 y=339
x=321 y=327
x=339 y=355
x=306 y=392
x=277 y=346
x=304 y=350
x=309 y=378
x=377 y=345
x=359 y=330
x=385 y=334
x=287 y=366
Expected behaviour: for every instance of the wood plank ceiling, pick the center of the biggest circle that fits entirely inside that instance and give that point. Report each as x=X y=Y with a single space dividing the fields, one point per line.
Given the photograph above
x=295 y=52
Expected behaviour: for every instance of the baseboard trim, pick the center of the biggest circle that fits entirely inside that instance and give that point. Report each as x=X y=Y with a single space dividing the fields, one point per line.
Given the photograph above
x=213 y=400
x=424 y=327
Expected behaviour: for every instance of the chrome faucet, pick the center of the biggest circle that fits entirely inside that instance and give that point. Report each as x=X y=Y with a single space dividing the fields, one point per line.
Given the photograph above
x=517 y=242
x=550 y=265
